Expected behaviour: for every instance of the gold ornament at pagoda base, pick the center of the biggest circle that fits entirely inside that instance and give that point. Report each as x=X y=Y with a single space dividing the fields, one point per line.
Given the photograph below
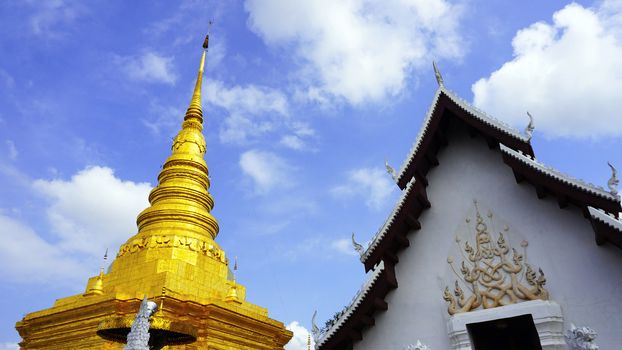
x=491 y=276
x=173 y=260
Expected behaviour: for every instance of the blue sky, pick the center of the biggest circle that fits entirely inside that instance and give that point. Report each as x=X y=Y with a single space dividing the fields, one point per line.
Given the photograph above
x=304 y=101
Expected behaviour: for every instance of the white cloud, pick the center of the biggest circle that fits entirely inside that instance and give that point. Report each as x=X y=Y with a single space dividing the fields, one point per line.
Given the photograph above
x=267 y=170
x=371 y=184
x=343 y=246
x=568 y=74
x=94 y=210
x=49 y=17
x=51 y=263
x=165 y=118
x=11 y=149
x=358 y=50
x=296 y=140
x=292 y=141
x=300 y=338
x=9 y=346
x=253 y=110
x=150 y=67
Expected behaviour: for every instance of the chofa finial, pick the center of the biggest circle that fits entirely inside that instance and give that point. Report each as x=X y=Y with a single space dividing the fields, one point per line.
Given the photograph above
x=437 y=73
x=613 y=180
x=390 y=170
x=314 y=328
x=359 y=248
x=530 y=127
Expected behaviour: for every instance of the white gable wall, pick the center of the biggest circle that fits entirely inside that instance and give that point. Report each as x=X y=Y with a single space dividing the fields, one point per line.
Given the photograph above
x=585 y=279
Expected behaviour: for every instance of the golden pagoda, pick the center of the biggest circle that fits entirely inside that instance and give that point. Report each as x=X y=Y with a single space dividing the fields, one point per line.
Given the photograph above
x=172 y=260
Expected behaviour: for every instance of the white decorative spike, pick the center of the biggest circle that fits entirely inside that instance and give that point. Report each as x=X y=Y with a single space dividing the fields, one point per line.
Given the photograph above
x=390 y=170
x=437 y=73
x=613 y=180
x=530 y=127
x=359 y=248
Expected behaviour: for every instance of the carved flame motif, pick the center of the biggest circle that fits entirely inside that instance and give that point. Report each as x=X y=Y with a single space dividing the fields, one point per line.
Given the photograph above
x=492 y=275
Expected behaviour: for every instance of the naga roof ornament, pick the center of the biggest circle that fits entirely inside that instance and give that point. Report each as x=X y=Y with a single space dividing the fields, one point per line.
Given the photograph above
x=530 y=127
x=390 y=170
x=613 y=180
x=358 y=247
x=437 y=73
x=315 y=330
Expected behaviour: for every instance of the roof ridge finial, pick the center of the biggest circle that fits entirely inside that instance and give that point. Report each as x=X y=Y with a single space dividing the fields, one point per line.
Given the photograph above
x=194 y=111
x=530 y=127
x=613 y=180
x=390 y=170
x=358 y=247
x=437 y=73
x=315 y=330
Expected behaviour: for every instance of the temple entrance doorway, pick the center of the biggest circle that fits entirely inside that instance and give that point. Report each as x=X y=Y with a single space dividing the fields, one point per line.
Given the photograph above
x=512 y=333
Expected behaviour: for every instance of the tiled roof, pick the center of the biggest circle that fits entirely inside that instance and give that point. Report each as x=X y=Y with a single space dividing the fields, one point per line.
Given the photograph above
x=356 y=301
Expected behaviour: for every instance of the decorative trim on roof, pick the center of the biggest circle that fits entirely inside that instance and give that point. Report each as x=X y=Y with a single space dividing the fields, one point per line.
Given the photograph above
x=554 y=173
x=422 y=131
x=356 y=301
x=484 y=117
x=471 y=110
x=389 y=221
x=608 y=219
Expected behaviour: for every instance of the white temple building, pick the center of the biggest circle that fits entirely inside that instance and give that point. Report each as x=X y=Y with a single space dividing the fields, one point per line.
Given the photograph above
x=486 y=248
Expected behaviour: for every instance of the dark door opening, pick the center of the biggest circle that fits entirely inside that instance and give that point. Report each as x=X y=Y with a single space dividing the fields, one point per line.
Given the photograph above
x=512 y=333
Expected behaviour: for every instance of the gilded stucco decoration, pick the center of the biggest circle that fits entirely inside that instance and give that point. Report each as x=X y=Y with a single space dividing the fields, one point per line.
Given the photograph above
x=492 y=273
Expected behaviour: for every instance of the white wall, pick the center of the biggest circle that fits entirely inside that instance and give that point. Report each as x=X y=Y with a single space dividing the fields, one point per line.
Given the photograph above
x=585 y=279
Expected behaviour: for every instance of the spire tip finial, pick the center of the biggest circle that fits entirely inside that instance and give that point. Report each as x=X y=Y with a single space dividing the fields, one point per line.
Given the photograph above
x=437 y=73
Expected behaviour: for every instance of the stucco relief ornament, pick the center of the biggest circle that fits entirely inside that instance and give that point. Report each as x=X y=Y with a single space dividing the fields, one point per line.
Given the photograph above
x=581 y=338
x=359 y=248
x=530 y=127
x=613 y=180
x=138 y=338
x=418 y=346
x=491 y=275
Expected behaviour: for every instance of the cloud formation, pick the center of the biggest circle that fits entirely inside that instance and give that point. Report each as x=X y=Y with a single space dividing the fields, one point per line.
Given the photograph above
x=50 y=17
x=358 y=51
x=12 y=150
x=150 y=67
x=252 y=110
x=567 y=73
x=267 y=170
x=300 y=338
x=94 y=210
x=343 y=246
x=373 y=185
x=9 y=346
x=86 y=214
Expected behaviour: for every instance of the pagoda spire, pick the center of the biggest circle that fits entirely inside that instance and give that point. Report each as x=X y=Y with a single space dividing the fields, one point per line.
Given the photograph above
x=181 y=203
